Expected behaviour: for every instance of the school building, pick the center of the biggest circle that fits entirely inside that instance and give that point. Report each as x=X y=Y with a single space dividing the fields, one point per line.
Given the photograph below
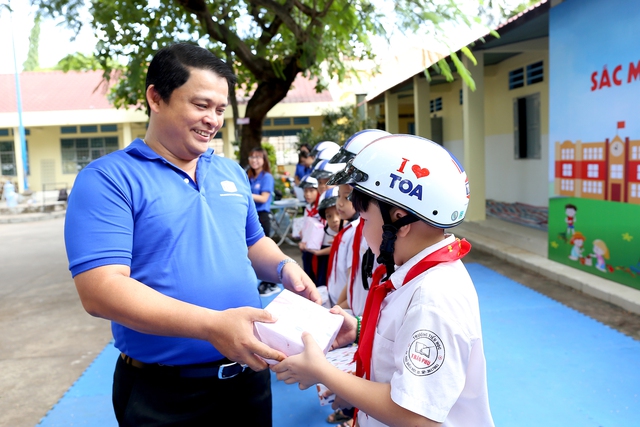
x=69 y=121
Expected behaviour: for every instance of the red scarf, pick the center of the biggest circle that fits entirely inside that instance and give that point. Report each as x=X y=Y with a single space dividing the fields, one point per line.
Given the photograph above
x=314 y=208
x=355 y=261
x=378 y=292
x=334 y=251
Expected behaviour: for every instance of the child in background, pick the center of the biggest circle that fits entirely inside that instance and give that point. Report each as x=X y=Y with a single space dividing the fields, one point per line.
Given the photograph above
x=333 y=225
x=323 y=171
x=420 y=359
x=311 y=196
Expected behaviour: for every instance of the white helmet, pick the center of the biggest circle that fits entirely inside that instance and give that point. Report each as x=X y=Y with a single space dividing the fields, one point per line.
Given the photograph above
x=308 y=181
x=325 y=169
x=327 y=199
x=321 y=146
x=324 y=151
x=413 y=173
x=357 y=142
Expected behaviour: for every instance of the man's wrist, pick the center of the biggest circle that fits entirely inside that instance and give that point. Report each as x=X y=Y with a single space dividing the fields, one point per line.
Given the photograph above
x=282 y=264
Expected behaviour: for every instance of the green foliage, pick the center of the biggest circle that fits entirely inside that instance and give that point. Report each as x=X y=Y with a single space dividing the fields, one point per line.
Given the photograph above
x=271 y=155
x=337 y=126
x=268 y=42
x=32 y=63
x=77 y=62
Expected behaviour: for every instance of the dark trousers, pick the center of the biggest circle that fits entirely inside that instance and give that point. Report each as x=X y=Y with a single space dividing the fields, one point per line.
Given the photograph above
x=265 y=222
x=146 y=397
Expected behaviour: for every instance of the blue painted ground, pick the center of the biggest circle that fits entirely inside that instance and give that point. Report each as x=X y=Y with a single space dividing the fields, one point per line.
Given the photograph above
x=548 y=365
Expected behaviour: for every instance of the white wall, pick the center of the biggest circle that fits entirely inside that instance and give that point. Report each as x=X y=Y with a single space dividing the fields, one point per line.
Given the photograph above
x=511 y=180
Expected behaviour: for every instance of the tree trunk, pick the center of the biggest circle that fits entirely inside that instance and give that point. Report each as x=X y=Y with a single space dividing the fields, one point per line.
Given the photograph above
x=267 y=95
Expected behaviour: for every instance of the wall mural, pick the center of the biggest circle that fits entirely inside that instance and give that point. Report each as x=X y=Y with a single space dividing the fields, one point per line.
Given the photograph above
x=594 y=170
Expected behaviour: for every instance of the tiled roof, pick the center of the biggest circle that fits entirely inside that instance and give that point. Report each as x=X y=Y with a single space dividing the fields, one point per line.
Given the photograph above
x=54 y=91
x=60 y=91
x=304 y=90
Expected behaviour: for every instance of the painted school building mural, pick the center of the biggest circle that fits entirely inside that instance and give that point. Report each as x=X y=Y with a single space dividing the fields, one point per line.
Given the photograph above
x=594 y=208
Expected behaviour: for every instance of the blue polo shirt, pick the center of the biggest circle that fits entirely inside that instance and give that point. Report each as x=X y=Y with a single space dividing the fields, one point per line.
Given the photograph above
x=184 y=239
x=261 y=183
x=302 y=170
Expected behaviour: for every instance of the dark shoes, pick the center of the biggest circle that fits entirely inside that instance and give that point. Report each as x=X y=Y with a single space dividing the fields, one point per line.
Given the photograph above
x=267 y=289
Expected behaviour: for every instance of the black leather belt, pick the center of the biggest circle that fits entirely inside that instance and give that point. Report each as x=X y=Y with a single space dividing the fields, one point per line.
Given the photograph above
x=222 y=369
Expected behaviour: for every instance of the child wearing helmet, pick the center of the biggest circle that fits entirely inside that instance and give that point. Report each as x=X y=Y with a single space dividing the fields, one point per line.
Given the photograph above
x=332 y=226
x=420 y=359
x=309 y=186
x=359 y=257
x=323 y=171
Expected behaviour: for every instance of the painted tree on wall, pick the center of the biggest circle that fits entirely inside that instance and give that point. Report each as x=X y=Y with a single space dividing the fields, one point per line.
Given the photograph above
x=268 y=42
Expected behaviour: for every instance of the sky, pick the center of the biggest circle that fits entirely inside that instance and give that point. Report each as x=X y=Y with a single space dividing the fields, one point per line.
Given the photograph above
x=55 y=41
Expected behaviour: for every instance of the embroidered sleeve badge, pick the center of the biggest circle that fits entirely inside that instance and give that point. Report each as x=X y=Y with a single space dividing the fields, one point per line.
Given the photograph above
x=425 y=354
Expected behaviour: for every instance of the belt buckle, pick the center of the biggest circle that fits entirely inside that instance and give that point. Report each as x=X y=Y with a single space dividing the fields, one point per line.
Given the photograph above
x=230 y=370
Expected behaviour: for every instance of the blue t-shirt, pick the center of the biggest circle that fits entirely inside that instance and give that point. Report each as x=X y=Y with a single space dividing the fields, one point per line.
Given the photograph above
x=261 y=183
x=302 y=170
x=184 y=239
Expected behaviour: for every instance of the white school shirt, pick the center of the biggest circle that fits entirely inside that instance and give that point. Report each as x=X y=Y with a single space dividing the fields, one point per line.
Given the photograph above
x=339 y=277
x=329 y=234
x=357 y=294
x=428 y=346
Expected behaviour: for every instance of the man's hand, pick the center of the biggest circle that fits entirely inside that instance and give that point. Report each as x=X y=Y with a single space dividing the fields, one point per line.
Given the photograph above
x=233 y=336
x=348 y=330
x=296 y=280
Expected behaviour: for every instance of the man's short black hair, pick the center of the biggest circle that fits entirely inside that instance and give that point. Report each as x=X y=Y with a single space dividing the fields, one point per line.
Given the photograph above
x=169 y=68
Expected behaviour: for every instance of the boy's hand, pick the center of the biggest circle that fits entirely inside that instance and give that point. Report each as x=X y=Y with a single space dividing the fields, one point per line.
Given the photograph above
x=304 y=368
x=348 y=330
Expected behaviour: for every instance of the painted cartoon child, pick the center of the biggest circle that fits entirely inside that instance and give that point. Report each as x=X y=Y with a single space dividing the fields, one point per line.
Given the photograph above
x=577 y=240
x=601 y=253
x=570 y=212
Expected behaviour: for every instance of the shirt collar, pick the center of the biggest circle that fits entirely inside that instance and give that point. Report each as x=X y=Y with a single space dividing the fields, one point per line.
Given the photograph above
x=139 y=148
x=397 y=278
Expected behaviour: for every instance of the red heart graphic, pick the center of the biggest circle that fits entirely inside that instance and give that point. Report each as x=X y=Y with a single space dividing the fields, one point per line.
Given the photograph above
x=420 y=172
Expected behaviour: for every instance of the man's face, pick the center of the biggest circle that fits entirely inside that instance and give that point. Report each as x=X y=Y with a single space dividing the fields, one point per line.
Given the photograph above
x=193 y=114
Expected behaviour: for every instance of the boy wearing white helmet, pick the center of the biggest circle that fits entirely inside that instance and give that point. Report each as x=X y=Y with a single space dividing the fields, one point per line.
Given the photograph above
x=420 y=359
x=360 y=259
x=312 y=197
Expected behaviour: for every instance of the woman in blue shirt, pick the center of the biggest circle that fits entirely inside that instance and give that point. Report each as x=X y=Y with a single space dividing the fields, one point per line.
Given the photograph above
x=262 y=186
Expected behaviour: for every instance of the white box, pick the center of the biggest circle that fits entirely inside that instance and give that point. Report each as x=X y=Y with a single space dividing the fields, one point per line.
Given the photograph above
x=296 y=315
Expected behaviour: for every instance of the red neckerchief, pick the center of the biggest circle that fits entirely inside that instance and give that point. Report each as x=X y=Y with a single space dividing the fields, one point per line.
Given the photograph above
x=377 y=293
x=355 y=261
x=334 y=251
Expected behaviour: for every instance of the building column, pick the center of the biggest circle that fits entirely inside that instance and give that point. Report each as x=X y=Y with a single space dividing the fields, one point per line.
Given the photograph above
x=17 y=149
x=228 y=136
x=126 y=135
x=474 y=138
x=370 y=113
x=391 y=121
x=421 y=112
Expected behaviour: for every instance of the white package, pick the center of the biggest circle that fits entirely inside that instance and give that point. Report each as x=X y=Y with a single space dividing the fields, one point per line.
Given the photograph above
x=296 y=315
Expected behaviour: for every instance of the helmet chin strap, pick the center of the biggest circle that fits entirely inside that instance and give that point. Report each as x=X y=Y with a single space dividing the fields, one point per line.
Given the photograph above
x=389 y=236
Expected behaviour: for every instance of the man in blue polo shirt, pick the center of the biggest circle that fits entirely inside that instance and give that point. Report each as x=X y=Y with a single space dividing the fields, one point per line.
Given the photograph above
x=163 y=239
